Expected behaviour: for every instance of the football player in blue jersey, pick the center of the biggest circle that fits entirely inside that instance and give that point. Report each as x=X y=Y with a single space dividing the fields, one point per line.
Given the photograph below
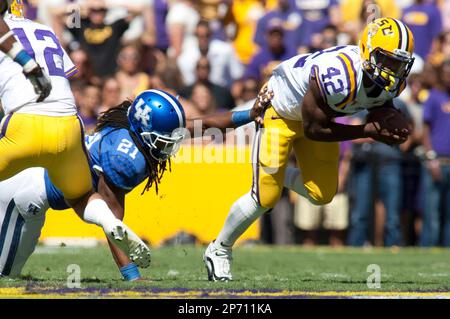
x=43 y=129
x=132 y=142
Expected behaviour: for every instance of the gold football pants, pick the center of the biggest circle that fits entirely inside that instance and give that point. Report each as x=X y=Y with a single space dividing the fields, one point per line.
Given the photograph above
x=51 y=142
x=318 y=161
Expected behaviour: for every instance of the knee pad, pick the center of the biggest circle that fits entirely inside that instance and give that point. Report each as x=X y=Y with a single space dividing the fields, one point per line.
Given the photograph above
x=319 y=196
x=269 y=192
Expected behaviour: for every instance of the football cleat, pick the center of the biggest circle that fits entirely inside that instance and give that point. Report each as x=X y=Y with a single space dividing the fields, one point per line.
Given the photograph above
x=218 y=262
x=127 y=241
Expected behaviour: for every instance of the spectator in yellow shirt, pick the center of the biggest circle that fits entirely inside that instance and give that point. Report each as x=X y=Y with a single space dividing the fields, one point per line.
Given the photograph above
x=246 y=14
x=356 y=13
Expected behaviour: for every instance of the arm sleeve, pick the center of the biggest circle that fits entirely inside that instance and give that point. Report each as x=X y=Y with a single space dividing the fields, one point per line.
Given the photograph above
x=69 y=68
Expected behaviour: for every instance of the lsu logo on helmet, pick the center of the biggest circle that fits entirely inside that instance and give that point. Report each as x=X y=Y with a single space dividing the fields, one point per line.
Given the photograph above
x=17 y=7
x=387 y=47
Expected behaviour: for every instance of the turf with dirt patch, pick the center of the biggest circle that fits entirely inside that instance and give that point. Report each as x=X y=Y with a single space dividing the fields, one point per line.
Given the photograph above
x=258 y=271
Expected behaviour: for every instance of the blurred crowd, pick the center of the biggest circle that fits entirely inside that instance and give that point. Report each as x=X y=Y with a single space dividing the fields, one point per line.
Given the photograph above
x=216 y=54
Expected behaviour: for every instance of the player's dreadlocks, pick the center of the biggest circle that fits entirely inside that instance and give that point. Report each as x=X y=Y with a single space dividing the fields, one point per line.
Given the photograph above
x=116 y=117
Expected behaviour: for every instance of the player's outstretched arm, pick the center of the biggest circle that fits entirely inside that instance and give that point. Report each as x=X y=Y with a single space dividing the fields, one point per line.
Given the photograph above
x=235 y=119
x=115 y=199
x=32 y=71
x=318 y=123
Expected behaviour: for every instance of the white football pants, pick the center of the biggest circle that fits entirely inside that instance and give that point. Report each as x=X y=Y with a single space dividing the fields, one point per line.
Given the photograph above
x=23 y=203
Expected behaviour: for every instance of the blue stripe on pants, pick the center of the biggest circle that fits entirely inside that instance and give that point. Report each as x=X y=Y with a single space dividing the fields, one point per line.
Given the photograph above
x=5 y=224
x=14 y=245
x=5 y=126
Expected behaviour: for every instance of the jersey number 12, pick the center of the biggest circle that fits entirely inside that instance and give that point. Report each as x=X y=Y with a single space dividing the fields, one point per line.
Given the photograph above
x=49 y=52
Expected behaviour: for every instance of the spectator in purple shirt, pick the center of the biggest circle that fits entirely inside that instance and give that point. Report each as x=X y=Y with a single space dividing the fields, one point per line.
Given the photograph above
x=291 y=19
x=425 y=21
x=155 y=16
x=30 y=10
x=436 y=141
x=317 y=15
x=262 y=64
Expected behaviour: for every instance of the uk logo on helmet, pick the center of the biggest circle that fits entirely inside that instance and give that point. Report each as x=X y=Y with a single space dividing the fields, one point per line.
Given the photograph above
x=156 y=118
x=143 y=114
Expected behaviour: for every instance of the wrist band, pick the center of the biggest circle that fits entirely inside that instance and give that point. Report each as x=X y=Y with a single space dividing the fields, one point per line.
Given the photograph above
x=130 y=272
x=6 y=36
x=241 y=117
x=22 y=58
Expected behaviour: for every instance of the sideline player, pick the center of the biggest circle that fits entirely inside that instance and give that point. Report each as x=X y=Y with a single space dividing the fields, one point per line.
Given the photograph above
x=49 y=134
x=124 y=153
x=309 y=92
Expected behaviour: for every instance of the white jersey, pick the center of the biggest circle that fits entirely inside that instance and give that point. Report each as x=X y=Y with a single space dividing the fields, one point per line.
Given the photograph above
x=339 y=75
x=16 y=92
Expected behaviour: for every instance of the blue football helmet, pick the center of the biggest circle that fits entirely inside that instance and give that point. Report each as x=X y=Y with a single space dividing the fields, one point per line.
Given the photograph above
x=158 y=119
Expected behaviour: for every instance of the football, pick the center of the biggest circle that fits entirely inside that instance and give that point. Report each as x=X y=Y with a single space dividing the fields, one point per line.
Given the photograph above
x=389 y=118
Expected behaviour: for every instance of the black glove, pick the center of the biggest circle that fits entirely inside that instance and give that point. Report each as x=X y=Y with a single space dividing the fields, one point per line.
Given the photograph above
x=41 y=82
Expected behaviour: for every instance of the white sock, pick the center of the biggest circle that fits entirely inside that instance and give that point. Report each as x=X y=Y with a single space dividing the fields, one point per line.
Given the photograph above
x=97 y=212
x=293 y=180
x=242 y=214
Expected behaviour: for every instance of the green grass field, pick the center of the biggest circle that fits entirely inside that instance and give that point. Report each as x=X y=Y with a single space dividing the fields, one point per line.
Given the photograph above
x=259 y=271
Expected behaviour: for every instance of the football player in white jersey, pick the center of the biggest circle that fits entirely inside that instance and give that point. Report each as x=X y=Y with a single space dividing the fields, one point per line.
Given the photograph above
x=15 y=51
x=310 y=91
x=49 y=134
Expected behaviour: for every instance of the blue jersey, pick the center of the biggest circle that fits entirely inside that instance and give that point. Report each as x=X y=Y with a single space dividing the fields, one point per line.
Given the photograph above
x=113 y=154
